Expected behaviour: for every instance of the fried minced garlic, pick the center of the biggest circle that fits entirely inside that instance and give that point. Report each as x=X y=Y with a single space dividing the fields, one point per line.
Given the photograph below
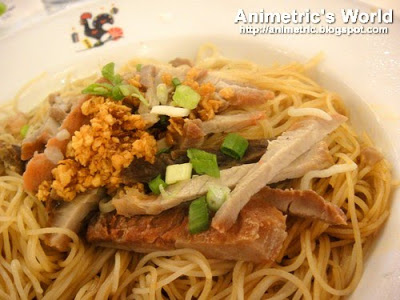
x=135 y=81
x=208 y=106
x=99 y=151
x=227 y=93
x=166 y=78
x=43 y=193
x=174 y=130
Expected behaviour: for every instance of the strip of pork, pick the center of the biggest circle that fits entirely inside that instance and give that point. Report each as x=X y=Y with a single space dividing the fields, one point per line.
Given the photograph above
x=70 y=215
x=233 y=93
x=39 y=167
x=195 y=130
x=280 y=153
x=141 y=170
x=257 y=237
x=307 y=204
x=236 y=94
x=136 y=203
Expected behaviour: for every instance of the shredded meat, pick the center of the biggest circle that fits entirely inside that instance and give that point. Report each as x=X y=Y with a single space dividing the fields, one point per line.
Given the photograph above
x=100 y=150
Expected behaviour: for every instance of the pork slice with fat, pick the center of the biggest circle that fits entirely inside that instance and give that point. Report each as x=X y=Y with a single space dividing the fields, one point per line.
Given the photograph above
x=195 y=130
x=70 y=215
x=280 y=153
x=236 y=93
x=257 y=236
x=303 y=204
x=232 y=123
x=136 y=203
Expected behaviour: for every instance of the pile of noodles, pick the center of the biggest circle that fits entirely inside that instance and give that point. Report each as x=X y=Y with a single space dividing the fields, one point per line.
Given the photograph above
x=317 y=260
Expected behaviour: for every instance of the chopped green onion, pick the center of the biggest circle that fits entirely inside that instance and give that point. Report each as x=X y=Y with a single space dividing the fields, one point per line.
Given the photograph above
x=234 y=146
x=3 y=8
x=203 y=162
x=179 y=172
x=198 y=216
x=116 y=93
x=24 y=130
x=139 y=67
x=154 y=185
x=176 y=81
x=99 y=89
x=162 y=93
x=164 y=120
x=164 y=150
x=108 y=72
x=216 y=196
x=186 y=97
x=130 y=90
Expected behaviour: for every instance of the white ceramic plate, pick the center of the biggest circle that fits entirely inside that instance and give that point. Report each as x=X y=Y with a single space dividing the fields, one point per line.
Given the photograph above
x=364 y=69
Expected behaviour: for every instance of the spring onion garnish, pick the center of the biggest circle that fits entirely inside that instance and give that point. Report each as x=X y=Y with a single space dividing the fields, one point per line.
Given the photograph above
x=162 y=93
x=98 y=89
x=198 y=216
x=24 y=130
x=164 y=121
x=154 y=185
x=186 y=97
x=139 y=67
x=116 y=93
x=170 y=111
x=203 y=162
x=164 y=150
x=116 y=90
x=216 y=196
x=234 y=145
x=175 y=173
x=3 y=8
x=108 y=73
x=176 y=81
x=130 y=90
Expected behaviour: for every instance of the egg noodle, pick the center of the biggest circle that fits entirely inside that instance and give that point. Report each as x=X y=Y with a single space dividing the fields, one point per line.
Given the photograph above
x=317 y=260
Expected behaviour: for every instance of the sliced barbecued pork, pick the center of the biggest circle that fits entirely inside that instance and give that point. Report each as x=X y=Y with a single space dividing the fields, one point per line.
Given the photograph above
x=232 y=93
x=281 y=153
x=307 y=204
x=232 y=123
x=70 y=215
x=236 y=93
x=10 y=158
x=136 y=203
x=39 y=167
x=140 y=170
x=238 y=96
x=257 y=237
x=195 y=130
